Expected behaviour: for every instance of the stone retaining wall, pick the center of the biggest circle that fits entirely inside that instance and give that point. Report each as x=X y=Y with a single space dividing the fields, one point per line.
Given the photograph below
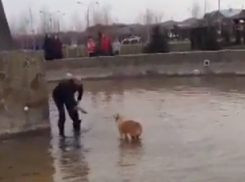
x=22 y=83
x=169 y=64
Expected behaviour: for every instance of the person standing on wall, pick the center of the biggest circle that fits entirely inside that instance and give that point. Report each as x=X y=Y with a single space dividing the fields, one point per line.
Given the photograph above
x=103 y=45
x=106 y=45
x=116 y=46
x=63 y=95
x=91 y=47
x=47 y=47
x=57 y=48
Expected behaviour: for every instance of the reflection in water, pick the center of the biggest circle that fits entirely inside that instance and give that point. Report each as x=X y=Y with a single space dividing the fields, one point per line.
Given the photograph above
x=193 y=130
x=69 y=160
x=129 y=160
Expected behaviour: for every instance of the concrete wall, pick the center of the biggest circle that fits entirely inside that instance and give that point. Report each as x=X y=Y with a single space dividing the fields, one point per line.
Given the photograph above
x=169 y=64
x=126 y=49
x=22 y=82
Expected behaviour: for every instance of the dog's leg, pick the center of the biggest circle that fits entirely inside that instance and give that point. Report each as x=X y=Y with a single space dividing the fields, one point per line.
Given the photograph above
x=129 y=137
x=121 y=136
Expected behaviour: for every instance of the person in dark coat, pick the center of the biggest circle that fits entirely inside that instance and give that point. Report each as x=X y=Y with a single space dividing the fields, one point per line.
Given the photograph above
x=103 y=46
x=57 y=47
x=98 y=51
x=47 y=47
x=63 y=95
x=158 y=42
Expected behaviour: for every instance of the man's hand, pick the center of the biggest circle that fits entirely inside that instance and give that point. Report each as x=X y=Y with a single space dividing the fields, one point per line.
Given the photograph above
x=81 y=109
x=76 y=107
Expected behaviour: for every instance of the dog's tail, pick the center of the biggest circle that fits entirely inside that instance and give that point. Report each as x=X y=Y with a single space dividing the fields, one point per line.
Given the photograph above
x=139 y=130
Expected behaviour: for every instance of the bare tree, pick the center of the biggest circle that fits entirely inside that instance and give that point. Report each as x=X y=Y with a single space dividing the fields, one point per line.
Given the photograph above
x=46 y=21
x=206 y=7
x=6 y=42
x=151 y=17
x=102 y=15
x=23 y=24
x=55 y=27
x=148 y=18
x=77 y=24
x=158 y=17
x=196 y=10
x=96 y=17
x=13 y=25
x=106 y=14
x=20 y=26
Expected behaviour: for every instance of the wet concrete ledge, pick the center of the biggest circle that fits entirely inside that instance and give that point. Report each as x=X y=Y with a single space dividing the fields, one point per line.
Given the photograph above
x=198 y=63
x=39 y=131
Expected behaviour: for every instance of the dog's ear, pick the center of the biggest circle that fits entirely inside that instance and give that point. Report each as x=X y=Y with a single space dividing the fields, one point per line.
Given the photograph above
x=116 y=117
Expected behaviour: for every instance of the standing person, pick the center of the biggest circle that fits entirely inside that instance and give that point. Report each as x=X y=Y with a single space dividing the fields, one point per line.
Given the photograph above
x=57 y=48
x=63 y=95
x=53 y=47
x=116 y=47
x=47 y=47
x=105 y=45
x=98 y=48
x=91 y=47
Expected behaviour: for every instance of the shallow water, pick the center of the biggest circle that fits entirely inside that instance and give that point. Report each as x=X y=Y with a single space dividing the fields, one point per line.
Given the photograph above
x=193 y=132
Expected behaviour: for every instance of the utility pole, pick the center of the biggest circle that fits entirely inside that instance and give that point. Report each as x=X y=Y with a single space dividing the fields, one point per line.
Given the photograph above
x=205 y=7
x=219 y=17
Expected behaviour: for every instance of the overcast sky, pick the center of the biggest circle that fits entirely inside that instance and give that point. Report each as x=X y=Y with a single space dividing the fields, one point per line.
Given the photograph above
x=126 y=11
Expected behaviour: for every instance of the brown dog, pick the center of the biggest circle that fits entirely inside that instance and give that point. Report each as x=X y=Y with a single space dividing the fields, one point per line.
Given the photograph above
x=128 y=129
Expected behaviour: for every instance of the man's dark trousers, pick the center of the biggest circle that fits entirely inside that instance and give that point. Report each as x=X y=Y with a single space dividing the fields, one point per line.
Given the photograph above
x=70 y=105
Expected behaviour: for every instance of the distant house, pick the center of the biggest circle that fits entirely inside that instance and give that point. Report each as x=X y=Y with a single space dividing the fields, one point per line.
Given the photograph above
x=224 y=15
x=169 y=24
x=240 y=15
x=188 y=23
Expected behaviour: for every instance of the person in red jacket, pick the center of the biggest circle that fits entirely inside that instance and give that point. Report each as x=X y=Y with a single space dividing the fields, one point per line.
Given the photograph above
x=91 y=47
x=105 y=45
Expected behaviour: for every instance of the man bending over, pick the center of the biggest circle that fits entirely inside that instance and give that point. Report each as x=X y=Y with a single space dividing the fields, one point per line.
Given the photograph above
x=63 y=95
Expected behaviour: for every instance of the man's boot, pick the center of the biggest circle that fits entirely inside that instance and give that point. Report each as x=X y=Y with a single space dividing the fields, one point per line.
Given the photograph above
x=61 y=130
x=77 y=127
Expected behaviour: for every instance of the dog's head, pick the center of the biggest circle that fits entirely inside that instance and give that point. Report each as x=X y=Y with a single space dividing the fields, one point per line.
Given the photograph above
x=117 y=117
